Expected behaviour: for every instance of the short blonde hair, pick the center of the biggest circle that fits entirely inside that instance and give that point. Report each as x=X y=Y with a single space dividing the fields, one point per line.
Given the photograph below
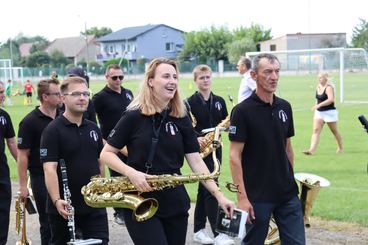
x=146 y=100
x=71 y=80
x=200 y=69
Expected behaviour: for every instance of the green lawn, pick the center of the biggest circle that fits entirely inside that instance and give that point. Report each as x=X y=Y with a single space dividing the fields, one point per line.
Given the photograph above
x=347 y=197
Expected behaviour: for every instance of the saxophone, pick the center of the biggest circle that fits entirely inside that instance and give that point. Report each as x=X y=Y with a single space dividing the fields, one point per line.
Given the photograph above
x=114 y=191
x=208 y=147
x=20 y=220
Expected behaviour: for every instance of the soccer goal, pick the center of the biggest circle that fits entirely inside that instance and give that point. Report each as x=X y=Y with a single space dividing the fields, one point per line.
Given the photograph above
x=7 y=71
x=349 y=64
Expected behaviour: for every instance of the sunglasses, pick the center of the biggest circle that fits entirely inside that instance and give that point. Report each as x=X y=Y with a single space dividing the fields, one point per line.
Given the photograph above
x=116 y=77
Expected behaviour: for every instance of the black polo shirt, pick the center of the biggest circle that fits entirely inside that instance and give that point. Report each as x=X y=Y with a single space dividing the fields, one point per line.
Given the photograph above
x=176 y=138
x=80 y=147
x=29 y=137
x=208 y=114
x=6 y=132
x=264 y=128
x=110 y=106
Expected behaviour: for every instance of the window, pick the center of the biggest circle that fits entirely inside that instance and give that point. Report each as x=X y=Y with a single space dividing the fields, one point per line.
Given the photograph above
x=111 y=49
x=169 y=47
x=273 y=47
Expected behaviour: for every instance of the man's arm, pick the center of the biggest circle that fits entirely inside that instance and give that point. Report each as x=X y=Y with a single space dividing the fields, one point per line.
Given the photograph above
x=52 y=185
x=101 y=167
x=12 y=145
x=236 y=149
x=290 y=152
x=22 y=162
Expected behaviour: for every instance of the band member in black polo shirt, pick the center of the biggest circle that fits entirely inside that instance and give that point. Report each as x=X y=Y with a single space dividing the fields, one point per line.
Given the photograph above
x=209 y=110
x=262 y=158
x=110 y=104
x=6 y=134
x=29 y=137
x=77 y=141
x=158 y=112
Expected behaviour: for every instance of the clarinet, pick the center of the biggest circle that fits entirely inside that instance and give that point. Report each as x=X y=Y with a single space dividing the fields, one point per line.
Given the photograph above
x=70 y=209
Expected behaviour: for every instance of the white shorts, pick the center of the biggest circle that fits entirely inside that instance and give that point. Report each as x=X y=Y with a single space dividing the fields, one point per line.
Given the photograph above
x=327 y=116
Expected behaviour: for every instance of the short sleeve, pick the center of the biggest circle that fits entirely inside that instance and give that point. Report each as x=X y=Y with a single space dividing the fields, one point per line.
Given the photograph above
x=49 y=147
x=189 y=136
x=9 y=132
x=25 y=135
x=238 y=126
x=120 y=135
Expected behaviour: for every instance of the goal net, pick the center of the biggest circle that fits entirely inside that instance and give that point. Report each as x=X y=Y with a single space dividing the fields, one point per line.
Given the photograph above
x=351 y=65
x=7 y=71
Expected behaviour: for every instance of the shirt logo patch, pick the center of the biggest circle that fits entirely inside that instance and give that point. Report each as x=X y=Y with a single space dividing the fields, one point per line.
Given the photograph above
x=218 y=106
x=2 y=120
x=20 y=140
x=43 y=152
x=112 y=132
x=171 y=128
x=283 y=116
x=232 y=130
x=129 y=97
x=93 y=134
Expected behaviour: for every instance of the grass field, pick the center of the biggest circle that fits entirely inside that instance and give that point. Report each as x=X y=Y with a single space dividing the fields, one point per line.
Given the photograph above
x=347 y=197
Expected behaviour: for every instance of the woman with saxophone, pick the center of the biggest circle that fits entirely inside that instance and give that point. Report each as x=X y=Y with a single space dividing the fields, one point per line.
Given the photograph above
x=209 y=110
x=158 y=134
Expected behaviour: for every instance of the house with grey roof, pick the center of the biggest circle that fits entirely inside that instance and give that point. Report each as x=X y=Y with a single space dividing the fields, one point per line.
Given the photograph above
x=76 y=48
x=141 y=42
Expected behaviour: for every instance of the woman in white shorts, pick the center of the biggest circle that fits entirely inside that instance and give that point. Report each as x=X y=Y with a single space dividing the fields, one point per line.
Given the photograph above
x=324 y=112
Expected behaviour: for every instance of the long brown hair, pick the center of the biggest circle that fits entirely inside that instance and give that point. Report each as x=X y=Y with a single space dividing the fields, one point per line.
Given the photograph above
x=147 y=102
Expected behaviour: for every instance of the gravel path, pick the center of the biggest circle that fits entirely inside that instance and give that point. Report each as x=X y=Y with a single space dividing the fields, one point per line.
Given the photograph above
x=321 y=233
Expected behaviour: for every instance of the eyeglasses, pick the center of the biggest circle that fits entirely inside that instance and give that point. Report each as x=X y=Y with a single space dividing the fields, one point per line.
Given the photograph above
x=56 y=93
x=78 y=94
x=2 y=91
x=204 y=77
x=116 y=77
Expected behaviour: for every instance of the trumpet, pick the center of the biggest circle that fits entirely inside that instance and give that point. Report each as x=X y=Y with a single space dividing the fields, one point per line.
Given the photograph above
x=20 y=220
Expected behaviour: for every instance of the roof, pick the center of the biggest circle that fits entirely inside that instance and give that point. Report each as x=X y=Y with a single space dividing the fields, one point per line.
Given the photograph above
x=130 y=32
x=69 y=46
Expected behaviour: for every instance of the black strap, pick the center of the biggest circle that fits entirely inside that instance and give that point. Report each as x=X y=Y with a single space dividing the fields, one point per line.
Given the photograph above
x=154 y=142
x=208 y=106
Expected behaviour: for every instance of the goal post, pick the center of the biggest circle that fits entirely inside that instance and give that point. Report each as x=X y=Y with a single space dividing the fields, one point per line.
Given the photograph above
x=352 y=61
x=7 y=71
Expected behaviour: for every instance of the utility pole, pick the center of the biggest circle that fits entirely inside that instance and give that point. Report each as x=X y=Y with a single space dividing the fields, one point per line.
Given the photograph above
x=86 y=37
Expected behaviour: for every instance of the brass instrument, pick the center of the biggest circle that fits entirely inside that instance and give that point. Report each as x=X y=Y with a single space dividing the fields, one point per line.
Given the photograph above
x=113 y=191
x=20 y=220
x=310 y=185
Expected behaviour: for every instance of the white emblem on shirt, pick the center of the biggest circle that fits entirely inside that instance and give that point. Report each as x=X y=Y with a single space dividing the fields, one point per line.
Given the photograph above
x=232 y=130
x=43 y=152
x=112 y=132
x=128 y=96
x=218 y=106
x=283 y=116
x=2 y=120
x=93 y=134
x=171 y=128
x=20 y=140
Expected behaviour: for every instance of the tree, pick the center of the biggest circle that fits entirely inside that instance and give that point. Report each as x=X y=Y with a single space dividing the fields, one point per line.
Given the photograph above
x=239 y=48
x=255 y=32
x=57 y=58
x=37 y=59
x=97 y=32
x=360 y=35
x=206 y=44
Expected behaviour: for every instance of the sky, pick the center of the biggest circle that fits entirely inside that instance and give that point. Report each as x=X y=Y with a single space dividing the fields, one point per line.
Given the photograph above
x=55 y=19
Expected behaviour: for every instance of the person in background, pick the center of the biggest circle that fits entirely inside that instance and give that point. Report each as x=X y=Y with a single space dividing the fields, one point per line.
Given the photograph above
x=324 y=112
x=78 y=142
x=247 y=84
x=28 y=88
x=7 y=135
x=8 y=93
x=158 y=134
x=262 y=158
x=110 y=104
x=54 y=76
x=209 y=110
x=29 y=137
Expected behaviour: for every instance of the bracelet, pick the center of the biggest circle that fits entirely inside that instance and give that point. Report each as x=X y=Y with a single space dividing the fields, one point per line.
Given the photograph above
x=56 y=201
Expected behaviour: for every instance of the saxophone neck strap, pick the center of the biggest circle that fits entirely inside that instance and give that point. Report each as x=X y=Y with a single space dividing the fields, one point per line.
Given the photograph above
x=156 y=134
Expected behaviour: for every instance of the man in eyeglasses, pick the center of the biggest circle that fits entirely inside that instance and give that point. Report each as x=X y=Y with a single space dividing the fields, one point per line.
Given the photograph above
x=29 y=137
x=90 y=113
x=110 y=104
x=78 y=142
x=247 y=84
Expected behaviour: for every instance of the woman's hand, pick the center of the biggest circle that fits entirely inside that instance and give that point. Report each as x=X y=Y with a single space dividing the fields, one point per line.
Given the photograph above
x=315 y=107
x=201 y=141
x=226 y=204
x=139 y=180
